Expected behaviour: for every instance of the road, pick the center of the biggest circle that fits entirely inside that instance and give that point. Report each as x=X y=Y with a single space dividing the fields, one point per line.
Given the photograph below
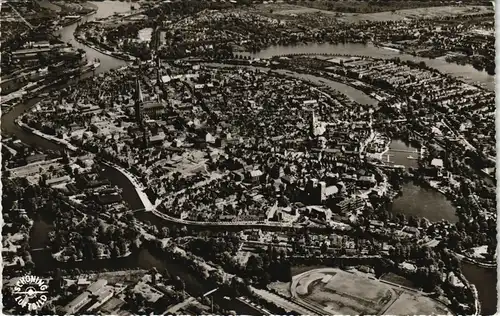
x=246 y=301
x=181 y=305
x=246 y=224
x=185 y=303
x=465 y=141
x=278 y=300
x=20 y=16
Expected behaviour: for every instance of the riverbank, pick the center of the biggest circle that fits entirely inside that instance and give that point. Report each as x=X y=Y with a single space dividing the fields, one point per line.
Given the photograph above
x=51 y=138
x=120 y=56
x=477 y=303
x=196 y=281
x=31 y=90
x=466 y=73
x=58 y=256
x=344 y=87
x=380 y=155
x=427 y=63
x=240 y=224
x=139 y=188
x=487 y=265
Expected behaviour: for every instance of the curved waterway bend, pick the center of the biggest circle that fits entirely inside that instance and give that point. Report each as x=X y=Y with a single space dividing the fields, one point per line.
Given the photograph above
x=464 y=72
x=105 y=9
x=144 y=259
x=352 y=93
x=477 y=275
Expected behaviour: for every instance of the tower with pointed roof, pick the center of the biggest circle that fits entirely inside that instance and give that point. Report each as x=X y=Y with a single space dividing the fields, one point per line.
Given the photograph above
x=158 y=73
x=139 y=100
x=313 y=123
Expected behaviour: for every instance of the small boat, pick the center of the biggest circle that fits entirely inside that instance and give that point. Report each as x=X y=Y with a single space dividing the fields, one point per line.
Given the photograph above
x=410 y=157
x=227 y=298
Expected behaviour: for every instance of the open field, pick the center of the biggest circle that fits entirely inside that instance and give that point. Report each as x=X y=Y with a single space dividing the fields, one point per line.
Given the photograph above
x=339 y=292
x=394 y=278
x=408 y=304
x=360 y=288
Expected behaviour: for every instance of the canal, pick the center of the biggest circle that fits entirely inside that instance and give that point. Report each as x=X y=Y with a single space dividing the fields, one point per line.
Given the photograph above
x=484 y=279
x=142 y=259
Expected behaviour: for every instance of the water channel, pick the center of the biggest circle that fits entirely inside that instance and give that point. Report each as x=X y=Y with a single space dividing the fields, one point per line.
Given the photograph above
x=484 y=279
x=39 y=234
x=434 y=206
x=143 y=259
x=354 y=94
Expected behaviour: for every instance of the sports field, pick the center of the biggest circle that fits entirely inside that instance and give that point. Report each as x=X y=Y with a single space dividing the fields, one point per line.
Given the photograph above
x=408 y=304
x=337 y=292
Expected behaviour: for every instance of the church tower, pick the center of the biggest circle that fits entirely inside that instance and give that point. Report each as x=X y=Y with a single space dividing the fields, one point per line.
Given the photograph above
x=313 y=123
x=139 y=115
x=139 y=99
x=158 y=72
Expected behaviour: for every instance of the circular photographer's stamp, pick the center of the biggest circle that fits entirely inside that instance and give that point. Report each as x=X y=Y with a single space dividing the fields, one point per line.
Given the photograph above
x=30 y=292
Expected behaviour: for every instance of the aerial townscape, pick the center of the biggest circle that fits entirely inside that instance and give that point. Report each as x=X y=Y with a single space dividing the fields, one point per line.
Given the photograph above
x=248 y=157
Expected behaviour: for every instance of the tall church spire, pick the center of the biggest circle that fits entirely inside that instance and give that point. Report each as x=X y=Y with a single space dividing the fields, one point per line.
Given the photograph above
x=313 y=124
x=138 y=91
x=158 y=72
x=139 y=99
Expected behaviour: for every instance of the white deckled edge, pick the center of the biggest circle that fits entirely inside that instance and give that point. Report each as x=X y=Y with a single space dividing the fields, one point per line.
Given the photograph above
x=497 y=134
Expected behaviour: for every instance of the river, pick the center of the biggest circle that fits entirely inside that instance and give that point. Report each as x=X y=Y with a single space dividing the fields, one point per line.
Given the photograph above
x=352 y=93
x=106 y=8
x=481 y=277
x=143 y=259
x=485 y=280
x=465 y=72
x=39 y=234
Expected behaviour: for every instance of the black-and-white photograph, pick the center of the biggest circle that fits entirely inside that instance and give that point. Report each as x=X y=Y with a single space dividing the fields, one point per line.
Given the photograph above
x=248 y=157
